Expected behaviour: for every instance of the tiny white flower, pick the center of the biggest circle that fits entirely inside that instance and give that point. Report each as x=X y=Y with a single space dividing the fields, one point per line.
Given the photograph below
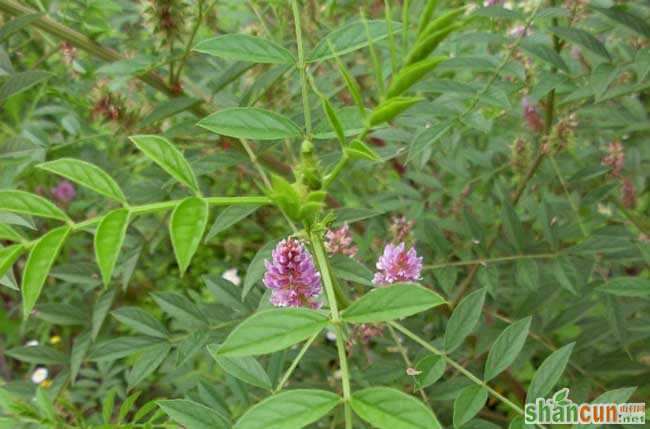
x=31 y=343
x=232 y=276
x=39 y=375
x=330 y=335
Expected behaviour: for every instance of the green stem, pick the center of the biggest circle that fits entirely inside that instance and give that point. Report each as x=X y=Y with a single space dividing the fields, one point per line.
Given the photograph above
x=295 y=363
x=458 y=367
x=321 y=260
x=301 y=67
x=190 y=42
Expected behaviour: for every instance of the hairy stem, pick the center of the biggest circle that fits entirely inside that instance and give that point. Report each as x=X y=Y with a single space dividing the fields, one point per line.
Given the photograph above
x=321 y=260
x=301 y=67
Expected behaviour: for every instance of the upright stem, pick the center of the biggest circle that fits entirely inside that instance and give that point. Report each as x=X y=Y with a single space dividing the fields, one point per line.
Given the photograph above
x=301 y=67
x=321 y=260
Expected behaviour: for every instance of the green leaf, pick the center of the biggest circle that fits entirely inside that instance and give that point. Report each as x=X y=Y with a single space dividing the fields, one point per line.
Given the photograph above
x=392 y=302
x=108 y=404
x=169 y=108
x=346 y=268
x=633 y=287
x=87 y=175
x=193 y=415
x=168 y=157
x=242 y=47
x=293 y=409
x=512 y=227
x=390 y=108
x=620 y=15
x=271 y=330
x=147 y=363
x=250 y=123
x=62 y=314
x=470 y=401
x=226 y=293
x=387 y=408
x=126 y=406
x=8 y=256
x=349 y=38
x=549 y=373
x=109 y=237
x=100 y=310
x=359 y=150
x=26 y=203
x=611 y=396
x=19 y=82
x=427 y=138
x=464 y=319
x=8 y=233
x=431 y=368
x=178 y=306
x=582 y=38
x=141 y=321
x=256 y=268
x=428 y=42
x=333 y=119
x=228 y=217
x=80 y=347
x=546 y=54
x=186 y=229
x=37 y=355
x=245 y=368
x=506 y=348
x=412 y=74
x=19 y=23
x=118 y=348
x=39 y=263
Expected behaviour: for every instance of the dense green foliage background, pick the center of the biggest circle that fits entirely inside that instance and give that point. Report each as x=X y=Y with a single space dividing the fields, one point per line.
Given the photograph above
x=523 y=167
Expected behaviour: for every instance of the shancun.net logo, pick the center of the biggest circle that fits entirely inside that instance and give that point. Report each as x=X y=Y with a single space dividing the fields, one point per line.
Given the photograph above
x=561 y=410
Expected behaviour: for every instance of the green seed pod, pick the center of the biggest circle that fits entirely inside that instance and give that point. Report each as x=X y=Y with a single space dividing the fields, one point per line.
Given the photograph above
x=390 y=108
x=424 y=47
x=410 y=75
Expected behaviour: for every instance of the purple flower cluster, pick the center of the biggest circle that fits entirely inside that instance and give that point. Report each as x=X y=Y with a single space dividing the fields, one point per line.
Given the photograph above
x=340 y=241
x=397 y=264
x=292 y=276
x=64 y=192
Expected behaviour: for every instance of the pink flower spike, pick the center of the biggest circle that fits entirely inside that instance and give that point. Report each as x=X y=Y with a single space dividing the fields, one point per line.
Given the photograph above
x=340 y=241
x=398 y=265
x=292 y=276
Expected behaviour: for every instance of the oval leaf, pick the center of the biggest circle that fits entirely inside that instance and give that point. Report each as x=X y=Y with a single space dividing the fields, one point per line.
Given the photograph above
x=8 y=233
x=141 y=321
x=470 y=401
x=9 y=255
x=86 y=174
x=193 y=415
x=633 y=287
x=109 y=238
x=250 y=123
x=386 y=408
x=391 y=302
x=549 y=373
x=464 y=319
x=293 y=409
x=271 y=330
x=186 y=228
x=242 y=47
x=245 y=368
x=26 y=203
x=38 y=265
x=168 y=157
x=506 y=348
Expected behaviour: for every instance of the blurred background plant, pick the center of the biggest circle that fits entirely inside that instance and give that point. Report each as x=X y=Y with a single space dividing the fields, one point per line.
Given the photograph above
x=522 y=171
